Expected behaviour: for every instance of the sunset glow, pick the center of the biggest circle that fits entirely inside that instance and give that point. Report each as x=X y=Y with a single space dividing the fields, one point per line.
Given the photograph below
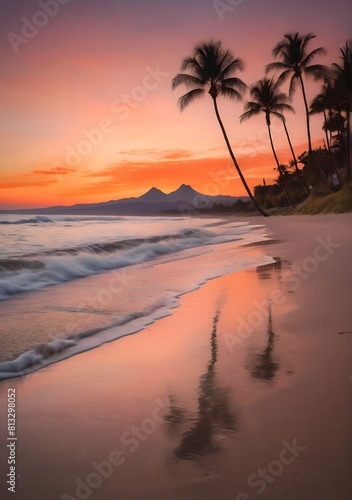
x=88 y=113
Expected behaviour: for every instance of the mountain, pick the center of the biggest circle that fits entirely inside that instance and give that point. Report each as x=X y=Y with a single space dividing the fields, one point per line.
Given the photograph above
x=152 y=202
x=185 y=193
x=154 y=195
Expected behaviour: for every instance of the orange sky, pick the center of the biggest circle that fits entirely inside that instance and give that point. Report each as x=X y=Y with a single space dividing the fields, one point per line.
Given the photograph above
x=87 y=110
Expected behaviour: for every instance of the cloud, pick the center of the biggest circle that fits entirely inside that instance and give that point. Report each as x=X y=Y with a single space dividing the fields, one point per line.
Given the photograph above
x=177 y=154
x=166 y=154
x=53 y=171
x=217 y=174
x=22 y=184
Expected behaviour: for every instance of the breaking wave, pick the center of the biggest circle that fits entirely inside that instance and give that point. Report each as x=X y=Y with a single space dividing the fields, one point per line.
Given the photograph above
x=49 y=352
x=36 y=270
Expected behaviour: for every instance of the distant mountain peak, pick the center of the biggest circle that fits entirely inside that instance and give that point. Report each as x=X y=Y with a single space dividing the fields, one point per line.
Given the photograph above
x=153 y=195
x=152 y=202
x=184 y=189
x=154 y=190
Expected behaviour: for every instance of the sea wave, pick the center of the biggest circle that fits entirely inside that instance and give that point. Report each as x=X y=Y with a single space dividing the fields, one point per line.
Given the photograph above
x=37 y=220
x=59 y=265
x=49 y=352
x=60 y=348
x=115 y=246
x=7 y=265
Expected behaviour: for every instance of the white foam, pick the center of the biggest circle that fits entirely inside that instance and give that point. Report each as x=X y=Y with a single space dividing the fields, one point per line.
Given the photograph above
x=127 y=324
x=60 y=268
x=144 y=257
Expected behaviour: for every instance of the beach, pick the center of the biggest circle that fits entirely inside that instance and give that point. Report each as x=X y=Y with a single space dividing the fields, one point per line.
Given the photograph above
x=243 y=390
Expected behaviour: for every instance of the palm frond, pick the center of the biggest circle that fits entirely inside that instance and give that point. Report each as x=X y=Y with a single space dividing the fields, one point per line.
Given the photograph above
x=209 y=56
x=251 y=109
x=257 y=94
x=295 y=39
x=280 y=116
x=280 y=48
x=346 y=52
x=292 y=87
x=212 y=69
x=311 y=55
x=186 y=99
x=280 y=108
x=308 y=37
x=236 y=83
x=317 y=71
x=230 y=93
x=316 y=107
x=277 y=66
x=279 y=98
x=336 y=67
x=226 y=59
x=284 y=76
x=185 y=79
x=252 y=106
x=192 y=64
x=235 y=65
x=247 y=115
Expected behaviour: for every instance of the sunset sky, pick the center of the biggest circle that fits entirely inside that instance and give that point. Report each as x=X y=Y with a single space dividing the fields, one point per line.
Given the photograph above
x=88 y=114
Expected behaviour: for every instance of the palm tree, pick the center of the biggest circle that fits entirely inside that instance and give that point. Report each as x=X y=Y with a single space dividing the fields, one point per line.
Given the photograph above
x=268 y=99
x=211 y=69
x=335 y=122
x=295 y=61
x=343 y=88
x=325 y=102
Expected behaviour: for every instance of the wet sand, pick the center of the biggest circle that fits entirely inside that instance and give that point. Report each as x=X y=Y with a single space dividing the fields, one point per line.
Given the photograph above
x=245 y=391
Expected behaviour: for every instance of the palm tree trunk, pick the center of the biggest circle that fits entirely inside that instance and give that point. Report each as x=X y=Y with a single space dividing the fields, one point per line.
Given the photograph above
x=343 y=148
x=299 y=173
x=348 y=126
x=279 y=168
x=329 y=150
x=326 y=130
x=309 y=136
x=325 y=122
x=307 y=114
x=260 y=210
x=291 y=148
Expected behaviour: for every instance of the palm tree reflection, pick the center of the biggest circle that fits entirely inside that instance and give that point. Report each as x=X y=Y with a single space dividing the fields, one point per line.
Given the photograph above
x=265 y=367
x=214 y=411
x=265 y=272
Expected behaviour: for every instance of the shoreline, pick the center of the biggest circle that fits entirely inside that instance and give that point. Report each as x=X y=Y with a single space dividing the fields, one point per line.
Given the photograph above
x=59 y=348
x=217 y=392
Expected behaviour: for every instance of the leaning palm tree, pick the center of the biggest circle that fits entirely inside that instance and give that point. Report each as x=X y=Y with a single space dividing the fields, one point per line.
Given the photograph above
x=268 y=99
x=211 y=70
x=295 y=62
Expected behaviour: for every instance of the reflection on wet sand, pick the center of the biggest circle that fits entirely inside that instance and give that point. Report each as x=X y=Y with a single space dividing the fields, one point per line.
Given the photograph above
x=265 y=367
x=214 y=413
x=265 y=272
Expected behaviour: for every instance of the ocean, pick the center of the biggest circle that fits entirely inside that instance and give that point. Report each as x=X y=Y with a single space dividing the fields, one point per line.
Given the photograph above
x=72 y=283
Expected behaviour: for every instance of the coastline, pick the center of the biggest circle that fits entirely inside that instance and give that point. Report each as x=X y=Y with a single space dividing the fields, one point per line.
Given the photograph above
x=252 y=357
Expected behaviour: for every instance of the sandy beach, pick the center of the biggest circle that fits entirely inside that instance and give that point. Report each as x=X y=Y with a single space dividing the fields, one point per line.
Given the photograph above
x=244 y=391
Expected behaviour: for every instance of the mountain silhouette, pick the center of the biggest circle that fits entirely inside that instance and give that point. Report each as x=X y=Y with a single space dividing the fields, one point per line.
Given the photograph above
x=152 y=202
x=154 y=195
